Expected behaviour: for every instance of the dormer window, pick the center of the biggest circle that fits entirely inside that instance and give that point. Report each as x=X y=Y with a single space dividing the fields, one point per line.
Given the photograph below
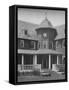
x=26 y=32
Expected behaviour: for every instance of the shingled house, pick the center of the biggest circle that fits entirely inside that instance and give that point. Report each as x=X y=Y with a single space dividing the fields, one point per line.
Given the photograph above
x=40 y=46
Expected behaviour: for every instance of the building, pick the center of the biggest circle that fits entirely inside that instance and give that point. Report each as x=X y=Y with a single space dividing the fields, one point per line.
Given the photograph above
x=38 y=46
x=60 y=41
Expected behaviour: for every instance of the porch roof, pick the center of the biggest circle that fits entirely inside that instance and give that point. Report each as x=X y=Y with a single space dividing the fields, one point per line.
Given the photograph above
x=40 y=51
x=48 y=51
x=22 y=51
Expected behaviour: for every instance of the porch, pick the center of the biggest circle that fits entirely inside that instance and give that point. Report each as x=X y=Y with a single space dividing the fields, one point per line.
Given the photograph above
x=30 y=63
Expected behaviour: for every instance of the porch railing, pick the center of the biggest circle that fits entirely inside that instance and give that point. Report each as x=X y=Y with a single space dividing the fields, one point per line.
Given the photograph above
x=28 y=67
x=59 y=67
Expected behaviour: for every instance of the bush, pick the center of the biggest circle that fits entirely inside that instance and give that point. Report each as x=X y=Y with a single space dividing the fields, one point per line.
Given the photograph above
x=36 y=72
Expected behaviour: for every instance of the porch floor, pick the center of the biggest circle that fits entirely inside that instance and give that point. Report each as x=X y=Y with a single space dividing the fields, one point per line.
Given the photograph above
x=53 y=76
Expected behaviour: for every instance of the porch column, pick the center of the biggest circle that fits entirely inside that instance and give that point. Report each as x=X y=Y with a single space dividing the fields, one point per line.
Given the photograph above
x=49 y=61
x=57 y=59
x=35 y=59
x=22 y=59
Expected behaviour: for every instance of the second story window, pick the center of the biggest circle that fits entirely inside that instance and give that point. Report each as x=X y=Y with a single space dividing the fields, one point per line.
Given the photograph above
x=63 y=43
x=21 y=43
x=38 y=45
x=59 y=44
x=50 y=45
x=32 y=45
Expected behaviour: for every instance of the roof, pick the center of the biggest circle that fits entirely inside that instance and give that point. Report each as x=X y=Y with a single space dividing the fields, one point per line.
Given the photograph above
x=32 y=27
x=60 y=32
x=60 y=36
x=22 y=51
x=23 y=25
x=46 y=23
x=28 y=37
x=47 y=51
x=40 y=51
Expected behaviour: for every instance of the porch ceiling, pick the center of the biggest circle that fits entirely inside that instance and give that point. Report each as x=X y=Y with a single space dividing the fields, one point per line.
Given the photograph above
x=40 y=51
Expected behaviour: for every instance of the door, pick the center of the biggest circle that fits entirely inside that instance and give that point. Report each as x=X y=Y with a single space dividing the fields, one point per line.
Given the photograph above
x=45 y=62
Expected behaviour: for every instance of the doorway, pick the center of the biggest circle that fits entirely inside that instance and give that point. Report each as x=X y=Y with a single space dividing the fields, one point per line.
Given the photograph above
x=45 y=62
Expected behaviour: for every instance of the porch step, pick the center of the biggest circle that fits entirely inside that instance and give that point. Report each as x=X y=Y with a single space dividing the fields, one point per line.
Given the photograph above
x=60 y=72
x=45 y=72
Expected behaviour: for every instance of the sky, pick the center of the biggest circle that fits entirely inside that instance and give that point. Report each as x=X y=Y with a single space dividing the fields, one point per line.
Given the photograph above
x=36 y=16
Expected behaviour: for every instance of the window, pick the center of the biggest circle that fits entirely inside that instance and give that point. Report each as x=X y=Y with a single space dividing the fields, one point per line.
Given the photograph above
x=32 y=44
x=38 y=44
x=63 y=43
x=19 y=59
x=21 y=43
x=59 y=44
x=39 y=36
x=25 y=32
x=50 y=45
x=29 y=44
x=44 y=45
x=26 y=44
x=28 y=60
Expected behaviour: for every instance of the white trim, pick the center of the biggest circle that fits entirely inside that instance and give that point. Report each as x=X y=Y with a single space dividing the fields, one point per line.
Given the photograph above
x=49 y=61
x=22 y=59
x=57 y=59
x=35 y=59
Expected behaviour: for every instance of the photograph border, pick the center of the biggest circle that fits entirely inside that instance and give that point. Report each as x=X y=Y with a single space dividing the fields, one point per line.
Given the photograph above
x=16 y=42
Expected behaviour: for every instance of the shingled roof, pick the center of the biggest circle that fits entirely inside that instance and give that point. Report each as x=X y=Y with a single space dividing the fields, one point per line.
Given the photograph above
x=22 y=25
x=46 y=23
x=60 y=32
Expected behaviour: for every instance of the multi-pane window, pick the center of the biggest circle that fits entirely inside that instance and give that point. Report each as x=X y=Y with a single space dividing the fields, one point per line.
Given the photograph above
x=27 y=44
x=45 y=44
x=59 y=44
x=21 y=43
x=28 y=60
x=32 y=44
x=63 y=43
x=50 y=45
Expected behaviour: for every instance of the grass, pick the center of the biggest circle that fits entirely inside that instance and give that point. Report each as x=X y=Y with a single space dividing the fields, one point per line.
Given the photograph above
x=53 y=76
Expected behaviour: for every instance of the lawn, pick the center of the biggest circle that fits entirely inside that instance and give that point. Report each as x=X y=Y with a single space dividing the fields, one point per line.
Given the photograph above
x=53 y=76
